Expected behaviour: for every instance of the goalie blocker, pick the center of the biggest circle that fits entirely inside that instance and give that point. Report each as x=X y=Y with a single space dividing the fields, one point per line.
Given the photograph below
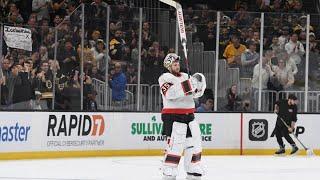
x=183 y=132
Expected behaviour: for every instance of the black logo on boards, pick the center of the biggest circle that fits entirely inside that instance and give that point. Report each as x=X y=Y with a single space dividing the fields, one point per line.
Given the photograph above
x=258 y=130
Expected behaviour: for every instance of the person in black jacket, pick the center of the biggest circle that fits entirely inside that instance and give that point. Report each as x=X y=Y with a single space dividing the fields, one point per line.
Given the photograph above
x=20 y=88
x=90 y=103
x=234 y=101
x=287 y=113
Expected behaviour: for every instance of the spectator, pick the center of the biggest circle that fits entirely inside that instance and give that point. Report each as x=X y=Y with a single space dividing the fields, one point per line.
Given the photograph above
x=274 y=29
x=263 y=5
x=265 y=74
x=302 y=25
x=4 y=4
x=233 y=52
x=41 y=7
x=126 y=57
x=314 y=65
x=67 y=58
x=276 y=6
x=224 y=40
x=249 y=59
x=117 y=44
x=147 y=36
x=243 y=36
x=232 y=26
x=27 y=68
x=131 y=74
x=256 y=27
x=303 y=38
x=191 y=26
x=21 y=59
x=297 y=7
x=96 y=35
x=234 y=101
x=54 y=65
x=295 y=48
x=74 y=15
x=35 y=57
x=256 y=38
x=285 y=36
x=95 y=73
x=249 y=35
x=88 y=55
x=97 y=14
x=57 y=20
x=14 y=15
x=99 y=53
x=208 y=37
x=44 y=78
x=118 y=82
x=207 y=106
x=43 y=53
x=159 y=52
x=152 y=66
x=275 y=45
x=19 y=87
x=188 y=14
x=58 y=7
x=90 y=103
x=122 y=13
x=268 y=54
x=284 y=76
x=314 y=45
x=290 y=64
x=242 y=16
x=6 y=64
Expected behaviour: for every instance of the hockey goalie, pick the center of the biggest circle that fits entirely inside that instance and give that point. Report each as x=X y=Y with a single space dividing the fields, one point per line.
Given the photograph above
x=182 y=131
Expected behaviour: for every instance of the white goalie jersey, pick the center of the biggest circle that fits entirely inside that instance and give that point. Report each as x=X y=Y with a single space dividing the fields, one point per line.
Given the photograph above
x=178 y=92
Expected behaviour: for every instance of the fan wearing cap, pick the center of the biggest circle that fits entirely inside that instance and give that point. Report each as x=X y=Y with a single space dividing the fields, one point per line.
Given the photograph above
x=179 y=127
x=286 y=110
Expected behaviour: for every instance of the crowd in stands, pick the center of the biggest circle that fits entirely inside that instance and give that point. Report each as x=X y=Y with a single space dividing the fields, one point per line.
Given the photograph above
x=30 y=75
x=284 y=44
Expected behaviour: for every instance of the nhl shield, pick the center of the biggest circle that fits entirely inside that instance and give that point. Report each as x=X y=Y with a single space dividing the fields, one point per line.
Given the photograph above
x=258 y=129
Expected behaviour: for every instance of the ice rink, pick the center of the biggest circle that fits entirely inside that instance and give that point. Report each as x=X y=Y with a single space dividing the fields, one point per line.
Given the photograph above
x=147 y=168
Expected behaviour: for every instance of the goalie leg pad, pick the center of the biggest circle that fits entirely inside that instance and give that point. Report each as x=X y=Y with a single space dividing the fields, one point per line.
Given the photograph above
x=174 y=149
x=193 y=149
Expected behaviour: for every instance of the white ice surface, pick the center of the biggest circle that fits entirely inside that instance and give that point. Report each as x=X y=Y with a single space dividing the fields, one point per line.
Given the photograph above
x=147 y=168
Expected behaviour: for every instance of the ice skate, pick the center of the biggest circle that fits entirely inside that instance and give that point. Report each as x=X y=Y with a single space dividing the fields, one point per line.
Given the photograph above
x=280 y=152
x=294 y=150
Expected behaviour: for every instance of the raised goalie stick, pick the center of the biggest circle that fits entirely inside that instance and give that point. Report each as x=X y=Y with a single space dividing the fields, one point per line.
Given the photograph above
x=182 y=30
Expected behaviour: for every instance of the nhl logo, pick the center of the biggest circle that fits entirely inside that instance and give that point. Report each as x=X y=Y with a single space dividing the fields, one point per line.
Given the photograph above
x=258 y=129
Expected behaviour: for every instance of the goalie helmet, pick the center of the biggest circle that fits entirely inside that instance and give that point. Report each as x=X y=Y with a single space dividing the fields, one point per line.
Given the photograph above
x=169 y=59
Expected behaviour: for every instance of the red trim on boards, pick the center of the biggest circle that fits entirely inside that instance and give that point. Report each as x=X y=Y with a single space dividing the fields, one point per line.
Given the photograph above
x=241 y=134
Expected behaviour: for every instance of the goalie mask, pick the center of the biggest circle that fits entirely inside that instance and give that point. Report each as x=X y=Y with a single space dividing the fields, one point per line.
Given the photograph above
x=169 y=59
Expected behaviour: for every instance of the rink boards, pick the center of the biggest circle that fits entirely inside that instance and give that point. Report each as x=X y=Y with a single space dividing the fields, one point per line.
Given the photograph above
x=78 y=134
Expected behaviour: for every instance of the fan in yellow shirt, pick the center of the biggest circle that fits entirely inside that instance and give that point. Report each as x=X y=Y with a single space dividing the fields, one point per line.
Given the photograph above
x=233 y=51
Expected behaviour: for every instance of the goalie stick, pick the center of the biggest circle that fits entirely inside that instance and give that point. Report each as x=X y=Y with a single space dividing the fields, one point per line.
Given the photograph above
x=182 y=30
